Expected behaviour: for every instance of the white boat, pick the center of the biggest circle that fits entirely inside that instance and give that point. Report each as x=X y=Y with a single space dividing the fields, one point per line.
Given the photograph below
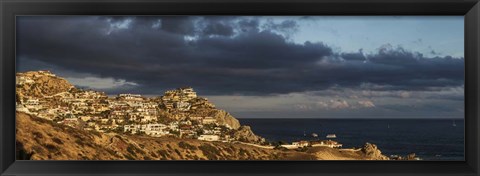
x=454 y=124
x=314 y=135
x=330 y=136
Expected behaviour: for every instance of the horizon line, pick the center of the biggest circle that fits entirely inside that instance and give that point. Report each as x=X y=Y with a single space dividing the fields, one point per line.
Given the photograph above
x=304 y=118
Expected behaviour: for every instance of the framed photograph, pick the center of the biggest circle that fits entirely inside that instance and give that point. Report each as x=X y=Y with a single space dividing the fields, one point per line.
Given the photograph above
x=240 y=87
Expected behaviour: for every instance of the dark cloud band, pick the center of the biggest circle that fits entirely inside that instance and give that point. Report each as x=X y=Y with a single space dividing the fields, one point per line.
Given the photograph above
x=219 y=55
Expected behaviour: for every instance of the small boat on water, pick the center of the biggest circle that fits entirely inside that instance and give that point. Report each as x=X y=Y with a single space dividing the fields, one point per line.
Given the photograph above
x=314 y=135
x=454 y=124
x=330 y=136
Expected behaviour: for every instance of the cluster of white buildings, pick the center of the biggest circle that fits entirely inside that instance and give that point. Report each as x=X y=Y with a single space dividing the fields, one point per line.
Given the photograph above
x=22 y=79
x=156 y=129
x=183 y=100
x=133 y=110
x=209 y=137
x=295 y=145
x=327 y=143
x=301 y=144
x=183 y=129
x=134 y=97
x=128 y=113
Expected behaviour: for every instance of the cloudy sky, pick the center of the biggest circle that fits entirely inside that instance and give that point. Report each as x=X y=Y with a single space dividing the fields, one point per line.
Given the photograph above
x=262 y=67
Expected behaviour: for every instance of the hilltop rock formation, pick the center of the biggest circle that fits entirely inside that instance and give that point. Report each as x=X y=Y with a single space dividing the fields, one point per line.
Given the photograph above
x=40 y=84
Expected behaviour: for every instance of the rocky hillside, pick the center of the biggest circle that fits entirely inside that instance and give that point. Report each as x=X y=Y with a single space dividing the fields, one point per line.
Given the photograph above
x=39 y=139
x=242 y=133
x=40 y=84
x=224 y=117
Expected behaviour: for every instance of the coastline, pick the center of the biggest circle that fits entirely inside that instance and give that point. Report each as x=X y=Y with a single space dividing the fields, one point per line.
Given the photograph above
x=429 y=139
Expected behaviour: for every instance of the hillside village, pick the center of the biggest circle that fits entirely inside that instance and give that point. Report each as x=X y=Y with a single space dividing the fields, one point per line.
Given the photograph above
x=178 y=113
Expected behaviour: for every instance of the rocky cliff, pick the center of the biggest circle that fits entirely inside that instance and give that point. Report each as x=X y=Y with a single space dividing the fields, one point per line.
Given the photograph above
x=372 y=151
x=245 y=134
x=224 y=117
x=242 y=133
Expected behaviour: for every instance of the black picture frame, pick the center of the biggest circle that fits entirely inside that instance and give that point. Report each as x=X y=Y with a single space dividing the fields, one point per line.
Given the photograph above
x=11 y=8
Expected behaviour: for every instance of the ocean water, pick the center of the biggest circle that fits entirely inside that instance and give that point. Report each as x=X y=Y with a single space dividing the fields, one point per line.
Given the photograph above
x=429 y=139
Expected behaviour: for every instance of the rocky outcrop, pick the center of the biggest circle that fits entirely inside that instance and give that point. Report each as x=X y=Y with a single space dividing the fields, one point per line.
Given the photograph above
x=44 y=84
x=245 y=134
x=372 y=151
x=225 y=118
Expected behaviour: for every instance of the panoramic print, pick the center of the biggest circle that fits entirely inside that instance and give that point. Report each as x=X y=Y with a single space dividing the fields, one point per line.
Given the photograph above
x=240 y=88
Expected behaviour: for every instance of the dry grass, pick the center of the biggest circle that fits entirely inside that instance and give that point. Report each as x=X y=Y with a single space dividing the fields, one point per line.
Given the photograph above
x=40 y=139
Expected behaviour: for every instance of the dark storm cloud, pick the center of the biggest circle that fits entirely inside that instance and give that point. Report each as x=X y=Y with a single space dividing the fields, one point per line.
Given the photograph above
x=258 y=50
x=359 y=56
x=218 y=29
x=178 y=24
x=230 y=55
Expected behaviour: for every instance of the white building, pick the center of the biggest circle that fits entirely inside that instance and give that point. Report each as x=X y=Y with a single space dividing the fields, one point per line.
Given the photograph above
x=208 y=120
x=188 y=92
x=300 y=143
x=32 y=104
x=46 y=73
x=156 y=129
x=182 y=106
x=137 y=97
x=20 y=80
x=131 y=128
x=296 y=145
x=22 y=108
x=208 y=137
